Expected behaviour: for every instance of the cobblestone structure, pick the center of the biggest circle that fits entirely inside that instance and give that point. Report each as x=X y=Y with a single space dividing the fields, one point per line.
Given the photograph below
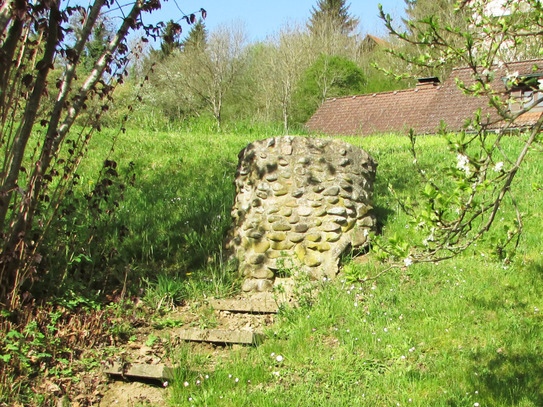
x=300 y=203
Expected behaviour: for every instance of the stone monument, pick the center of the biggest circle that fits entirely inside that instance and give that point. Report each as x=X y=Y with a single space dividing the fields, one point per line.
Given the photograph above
x=300 y=203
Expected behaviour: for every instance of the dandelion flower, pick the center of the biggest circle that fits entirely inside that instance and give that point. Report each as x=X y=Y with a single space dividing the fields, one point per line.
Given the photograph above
x=279 y=358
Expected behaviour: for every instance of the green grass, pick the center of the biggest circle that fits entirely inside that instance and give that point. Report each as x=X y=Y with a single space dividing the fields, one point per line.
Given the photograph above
x=439 y=335
x=465 y=331
x=457 y=333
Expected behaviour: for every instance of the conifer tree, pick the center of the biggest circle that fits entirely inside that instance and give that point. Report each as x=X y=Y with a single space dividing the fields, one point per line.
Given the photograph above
x=196 y=38
x=170 y=39
x=332 y=11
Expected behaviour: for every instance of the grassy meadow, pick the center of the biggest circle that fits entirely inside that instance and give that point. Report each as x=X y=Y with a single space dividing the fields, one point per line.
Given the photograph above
x=465 y=332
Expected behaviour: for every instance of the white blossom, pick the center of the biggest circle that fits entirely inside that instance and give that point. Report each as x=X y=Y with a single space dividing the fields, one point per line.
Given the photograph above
x=498 y=167
x=463 y=163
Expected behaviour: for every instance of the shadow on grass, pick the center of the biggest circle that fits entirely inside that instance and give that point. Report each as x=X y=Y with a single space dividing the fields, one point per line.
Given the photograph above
x=509 y=379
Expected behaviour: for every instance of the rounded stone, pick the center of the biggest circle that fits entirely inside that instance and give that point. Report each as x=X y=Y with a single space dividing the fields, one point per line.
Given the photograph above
x=304 y=211
x=264 y=285
x=318 y=189
x=332 y=191
x=294 y=219
x=261 y=247
x=332 y=237
x=301 y=228
x=249 y=285
x=286 y=212
x=281 y=192
x=331 y=227
x=298 y=193
x=281 y=227
x=313 y=237
x=256 y=259
x=255 y=234
x=286 y=174
x=277 y=236
x=286 y=245
x=271 y=177
x=368 y=222
x=359 y=237
x=296 y=237
x=282 y=162
x=340 y=220
x=320 y=211
x=274 y=218
x=262 y=273
x=273 y=254
x=324 y=247
x=332 y=200
x=338 y=210
x=312 y=261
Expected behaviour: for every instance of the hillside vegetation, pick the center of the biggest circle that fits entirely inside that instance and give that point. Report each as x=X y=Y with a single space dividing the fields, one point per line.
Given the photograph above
x=460 y=332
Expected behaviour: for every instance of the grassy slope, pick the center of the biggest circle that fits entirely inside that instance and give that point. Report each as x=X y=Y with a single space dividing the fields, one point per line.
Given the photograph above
x=462 y=332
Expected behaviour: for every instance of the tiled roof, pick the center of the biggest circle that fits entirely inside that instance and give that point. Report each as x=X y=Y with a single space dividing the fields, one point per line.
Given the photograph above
x=422 y=108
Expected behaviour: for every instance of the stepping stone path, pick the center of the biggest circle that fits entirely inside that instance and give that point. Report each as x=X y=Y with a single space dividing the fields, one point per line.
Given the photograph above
x=241 y=315
x=237 y=321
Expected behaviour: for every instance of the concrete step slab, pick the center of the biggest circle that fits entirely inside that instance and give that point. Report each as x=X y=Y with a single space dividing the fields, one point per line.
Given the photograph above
x=219 y=336
x=257 y=306
x=141 y=371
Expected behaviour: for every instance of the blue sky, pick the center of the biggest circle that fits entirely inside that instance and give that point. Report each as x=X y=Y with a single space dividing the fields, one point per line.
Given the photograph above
x=262 y=18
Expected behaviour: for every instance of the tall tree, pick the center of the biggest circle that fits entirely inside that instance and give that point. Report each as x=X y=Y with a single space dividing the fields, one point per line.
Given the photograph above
x=203 y=74
x=328 y=76
x=331 y=29
x=170 y=39
x=196 y=38
x=288 y=55
x=335 y=12
x=422 y=15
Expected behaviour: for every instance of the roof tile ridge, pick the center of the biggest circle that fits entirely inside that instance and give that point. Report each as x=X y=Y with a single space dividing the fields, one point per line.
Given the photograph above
x=384 y=93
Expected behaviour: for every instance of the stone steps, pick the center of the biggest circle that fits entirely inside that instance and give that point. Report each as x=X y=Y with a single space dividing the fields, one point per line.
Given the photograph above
x=253 y=306
x=241 y=307
x=141 y=371
x=219 y=336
